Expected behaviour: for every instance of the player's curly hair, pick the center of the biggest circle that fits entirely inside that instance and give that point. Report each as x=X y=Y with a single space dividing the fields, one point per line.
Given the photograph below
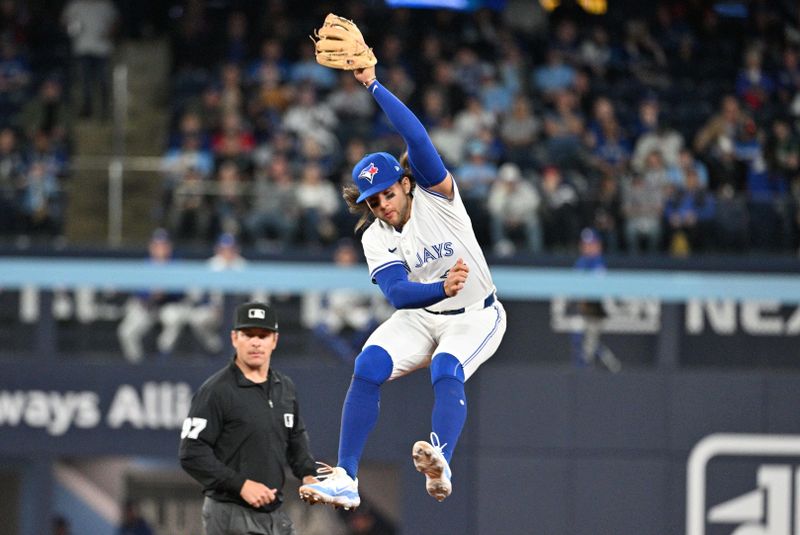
x=350 y=195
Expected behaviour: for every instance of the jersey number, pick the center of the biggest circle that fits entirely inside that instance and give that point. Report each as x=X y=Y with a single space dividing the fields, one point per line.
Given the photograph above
x=192 y=427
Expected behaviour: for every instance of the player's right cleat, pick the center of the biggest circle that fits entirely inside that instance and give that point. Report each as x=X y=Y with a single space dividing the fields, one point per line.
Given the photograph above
x=429 y=460
x=335 y=488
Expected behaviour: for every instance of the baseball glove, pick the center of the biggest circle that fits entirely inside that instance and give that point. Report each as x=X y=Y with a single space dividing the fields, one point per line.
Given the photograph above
x=340 y=45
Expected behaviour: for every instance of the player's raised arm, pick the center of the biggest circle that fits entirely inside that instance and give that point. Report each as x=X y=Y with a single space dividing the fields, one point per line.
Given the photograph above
x=339 y=44
x=426 y=164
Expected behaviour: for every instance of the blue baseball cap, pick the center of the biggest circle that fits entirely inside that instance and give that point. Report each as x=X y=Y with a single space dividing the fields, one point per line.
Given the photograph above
x=160 y=234
x=375 y=173
x=589 y=235
x=226 y=240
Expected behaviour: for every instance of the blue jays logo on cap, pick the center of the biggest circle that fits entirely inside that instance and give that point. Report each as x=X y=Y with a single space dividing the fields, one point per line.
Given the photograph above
x=375 y=173
x=368 y=172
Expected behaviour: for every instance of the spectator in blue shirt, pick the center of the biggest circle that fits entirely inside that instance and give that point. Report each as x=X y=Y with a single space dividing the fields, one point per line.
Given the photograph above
x=754 y=86
x=689 y=213
x=555 y=75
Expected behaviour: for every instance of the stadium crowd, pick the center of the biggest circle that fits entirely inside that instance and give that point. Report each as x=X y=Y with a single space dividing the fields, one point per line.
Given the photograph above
x=671 y=133
x=671 y=130
x=35 y=122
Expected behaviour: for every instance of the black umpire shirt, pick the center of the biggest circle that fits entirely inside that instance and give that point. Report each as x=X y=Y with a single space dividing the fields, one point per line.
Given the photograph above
x=238 y=430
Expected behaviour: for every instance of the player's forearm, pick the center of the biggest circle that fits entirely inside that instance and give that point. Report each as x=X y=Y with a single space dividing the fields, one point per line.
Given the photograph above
x=407 y=294
x=421 y=152
x=402 y=293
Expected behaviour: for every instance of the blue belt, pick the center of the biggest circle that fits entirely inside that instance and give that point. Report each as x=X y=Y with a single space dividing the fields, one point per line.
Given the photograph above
x=489 y=301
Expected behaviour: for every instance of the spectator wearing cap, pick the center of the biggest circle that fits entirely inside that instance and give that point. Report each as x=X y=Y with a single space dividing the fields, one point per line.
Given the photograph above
x=475 y=177
x=495 y=97
x=514 y=212
x=587 y=347
x=753 y=85
x=226 y=254
x=477 y=173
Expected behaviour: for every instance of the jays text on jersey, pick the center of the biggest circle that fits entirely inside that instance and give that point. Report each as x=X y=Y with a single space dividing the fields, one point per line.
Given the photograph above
x=437 y=234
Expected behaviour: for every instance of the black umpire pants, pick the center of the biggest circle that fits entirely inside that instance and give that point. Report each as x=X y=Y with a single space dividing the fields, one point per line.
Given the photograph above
x=222 y=518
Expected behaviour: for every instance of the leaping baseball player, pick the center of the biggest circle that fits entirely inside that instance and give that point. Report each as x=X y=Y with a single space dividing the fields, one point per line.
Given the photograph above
x=423 y=254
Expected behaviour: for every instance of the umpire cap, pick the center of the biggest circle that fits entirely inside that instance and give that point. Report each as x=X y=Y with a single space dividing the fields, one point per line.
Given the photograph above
x=255 y=315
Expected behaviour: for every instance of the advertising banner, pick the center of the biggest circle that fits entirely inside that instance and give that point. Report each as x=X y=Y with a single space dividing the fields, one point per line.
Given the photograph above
x=94 y=409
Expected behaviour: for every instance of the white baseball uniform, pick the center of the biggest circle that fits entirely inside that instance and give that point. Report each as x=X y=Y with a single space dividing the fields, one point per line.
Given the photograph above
x=438 y=233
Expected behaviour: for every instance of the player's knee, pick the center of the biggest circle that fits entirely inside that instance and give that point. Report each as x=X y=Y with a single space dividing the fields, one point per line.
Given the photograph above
x=446 y=365
x=374 y=364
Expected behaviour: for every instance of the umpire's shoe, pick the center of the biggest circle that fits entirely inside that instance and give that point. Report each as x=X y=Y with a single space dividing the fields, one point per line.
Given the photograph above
x=335 y=488
x=429 y=460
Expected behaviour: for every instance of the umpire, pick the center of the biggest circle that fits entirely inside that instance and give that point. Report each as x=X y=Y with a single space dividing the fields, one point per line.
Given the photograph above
x=243 y=428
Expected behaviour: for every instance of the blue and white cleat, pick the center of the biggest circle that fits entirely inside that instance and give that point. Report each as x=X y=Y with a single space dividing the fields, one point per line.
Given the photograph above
x=429 y=460
x=335 y=488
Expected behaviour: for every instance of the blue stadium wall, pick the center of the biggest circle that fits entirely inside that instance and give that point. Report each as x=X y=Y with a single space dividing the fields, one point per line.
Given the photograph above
x=545 y=451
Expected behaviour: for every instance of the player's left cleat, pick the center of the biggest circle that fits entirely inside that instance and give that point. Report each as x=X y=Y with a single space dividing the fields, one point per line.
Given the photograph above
x=335 y=488
x=429 y=460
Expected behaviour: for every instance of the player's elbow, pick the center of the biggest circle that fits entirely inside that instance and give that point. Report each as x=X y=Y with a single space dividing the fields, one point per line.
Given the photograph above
x=395 y=300
x=398 y=299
